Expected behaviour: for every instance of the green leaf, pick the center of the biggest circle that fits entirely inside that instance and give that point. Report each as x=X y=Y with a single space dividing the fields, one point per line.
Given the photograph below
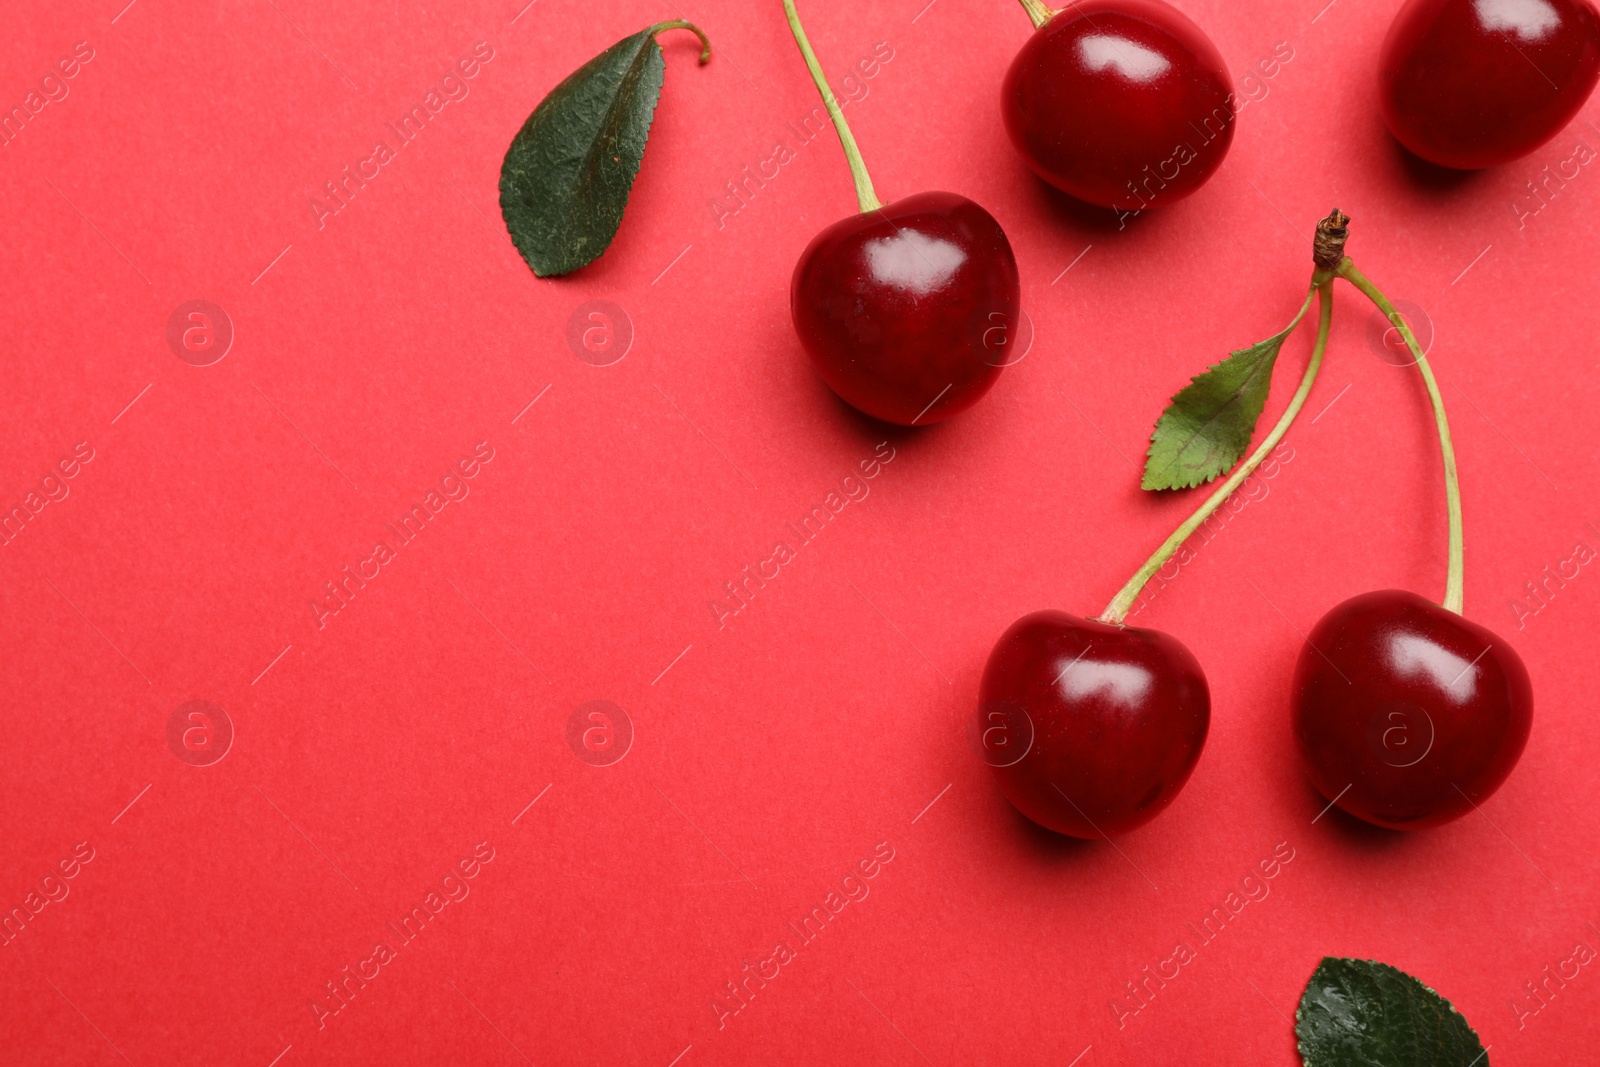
x=1209 y=423
x=1361 y=1013
x=568 y=172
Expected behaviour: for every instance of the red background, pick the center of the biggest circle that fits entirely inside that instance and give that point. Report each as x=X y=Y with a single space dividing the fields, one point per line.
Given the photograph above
x=372 y=754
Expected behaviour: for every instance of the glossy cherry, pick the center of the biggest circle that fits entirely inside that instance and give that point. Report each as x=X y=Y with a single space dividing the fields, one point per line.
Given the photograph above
x=1122 y=103
x=1475 y=83
x=1407 y=714
x=1091 y=728
x=905 y=311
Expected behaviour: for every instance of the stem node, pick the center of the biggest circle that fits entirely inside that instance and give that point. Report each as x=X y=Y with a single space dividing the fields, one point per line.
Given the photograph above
x=1327 y=248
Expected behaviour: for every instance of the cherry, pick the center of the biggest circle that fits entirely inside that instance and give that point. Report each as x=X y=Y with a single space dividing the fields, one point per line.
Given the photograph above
x=1406 y=714
x=1092 y=729
x=1475 y=83
x=1121 y=103
x=905 y=310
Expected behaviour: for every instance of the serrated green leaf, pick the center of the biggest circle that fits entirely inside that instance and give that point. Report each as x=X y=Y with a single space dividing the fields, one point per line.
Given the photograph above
x=1208 y=424
x=1361 y=1013
x=569 y=170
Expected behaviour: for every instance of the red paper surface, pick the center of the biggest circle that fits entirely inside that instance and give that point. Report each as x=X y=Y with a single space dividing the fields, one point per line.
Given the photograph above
x=425 y=724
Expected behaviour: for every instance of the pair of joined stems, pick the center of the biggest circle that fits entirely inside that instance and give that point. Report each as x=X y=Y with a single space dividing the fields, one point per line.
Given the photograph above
x=1322 y=288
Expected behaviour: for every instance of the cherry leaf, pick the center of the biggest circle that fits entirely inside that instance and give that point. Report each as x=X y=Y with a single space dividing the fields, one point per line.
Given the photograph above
x=567 y=175
x=1361 y=1013
x=1208 y=424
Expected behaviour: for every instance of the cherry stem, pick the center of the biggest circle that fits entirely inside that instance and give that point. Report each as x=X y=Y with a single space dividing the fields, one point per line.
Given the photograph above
x=1038 y=11
x=685 y=24
x=865 y=197
x=1322 y=287
x=1454 y=583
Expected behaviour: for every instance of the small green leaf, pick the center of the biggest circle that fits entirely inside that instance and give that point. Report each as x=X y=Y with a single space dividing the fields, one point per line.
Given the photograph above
x=1208 y=425
x=1361 y=1013
x=568 y=172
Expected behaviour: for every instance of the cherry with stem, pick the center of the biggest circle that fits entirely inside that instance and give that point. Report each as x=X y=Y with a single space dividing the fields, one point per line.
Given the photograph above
x=1407 y=714
x=1093 y=727
x=905 y=309
x=1124 y=104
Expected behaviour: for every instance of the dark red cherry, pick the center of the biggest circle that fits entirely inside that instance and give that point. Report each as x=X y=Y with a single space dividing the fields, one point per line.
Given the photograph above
x=906 y=310
x=1121 y=103
x=1091 y=729
x=1475 y=83
x=1407 y=714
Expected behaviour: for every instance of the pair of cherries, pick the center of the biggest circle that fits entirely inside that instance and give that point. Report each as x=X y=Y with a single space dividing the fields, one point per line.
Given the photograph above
x=1407 y=714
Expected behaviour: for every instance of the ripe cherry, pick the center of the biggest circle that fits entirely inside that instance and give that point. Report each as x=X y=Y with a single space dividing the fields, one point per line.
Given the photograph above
x=904 y=309
x=1475 y=83
x=1407 y=713
x=1122 y=103
x=1092 y=729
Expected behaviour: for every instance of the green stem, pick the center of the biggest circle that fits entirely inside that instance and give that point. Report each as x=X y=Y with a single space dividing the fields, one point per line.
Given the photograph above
x=865 y=197
x=1322 y=286
x=685 y=24
x=1454 y=584
x=1038 y=11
